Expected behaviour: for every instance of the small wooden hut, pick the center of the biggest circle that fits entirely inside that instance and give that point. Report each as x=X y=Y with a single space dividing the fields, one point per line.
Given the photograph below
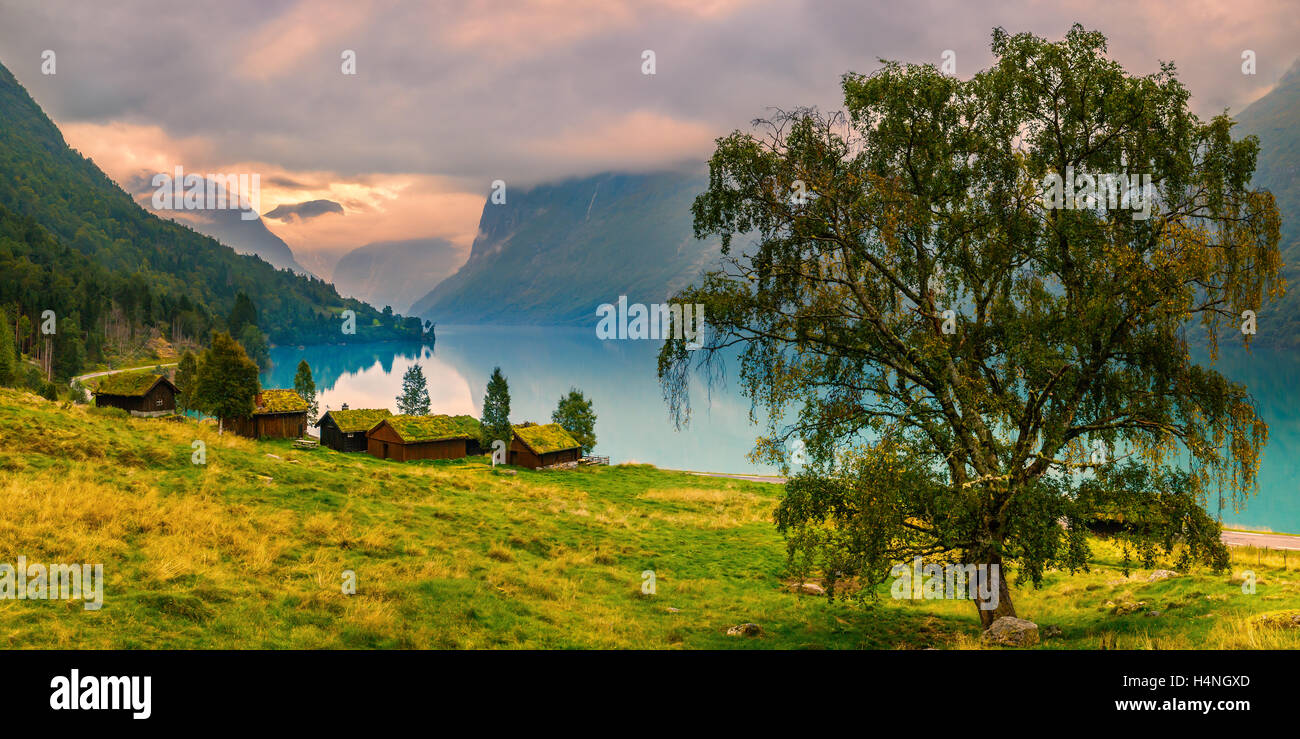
x=345 y=430
x=534 y=446
x=408 y=438
x=141 y=394
x=277 y=414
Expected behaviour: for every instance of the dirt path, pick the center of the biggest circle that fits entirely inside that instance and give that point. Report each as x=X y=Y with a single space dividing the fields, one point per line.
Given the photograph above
x=89 y=375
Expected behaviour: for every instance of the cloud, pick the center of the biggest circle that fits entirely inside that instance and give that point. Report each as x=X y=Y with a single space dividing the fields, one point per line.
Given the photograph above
x=451 y=95
x=303 y=211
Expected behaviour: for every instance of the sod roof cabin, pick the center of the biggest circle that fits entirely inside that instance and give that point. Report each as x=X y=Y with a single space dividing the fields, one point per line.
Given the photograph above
x=408 y=438
x=345 y=430
x=277 y=414
x=139 y=393
x=536 y=446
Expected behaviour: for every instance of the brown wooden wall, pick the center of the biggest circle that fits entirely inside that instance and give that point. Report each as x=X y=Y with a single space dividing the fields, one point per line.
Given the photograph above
x=396 y=450
x=158 y=400
x=125 y=402
x=521 y=455
x=331 y=437
x=270 y=426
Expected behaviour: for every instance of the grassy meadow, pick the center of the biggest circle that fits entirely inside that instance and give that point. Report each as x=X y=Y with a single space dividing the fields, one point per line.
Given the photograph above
x=248 y=551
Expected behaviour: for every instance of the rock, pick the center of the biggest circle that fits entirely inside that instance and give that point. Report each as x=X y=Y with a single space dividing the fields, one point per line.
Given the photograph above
x=745 y=630
x=277 y=456
x=674 y=610
x=1050 y=632
x=808 y=588
x=1161 y=575
x=1280 y=620
x=1127 y=607
x=1010 y=631
x=1153 y=614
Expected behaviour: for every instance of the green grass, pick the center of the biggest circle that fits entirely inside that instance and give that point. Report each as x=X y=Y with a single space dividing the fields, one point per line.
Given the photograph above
x=249 y=550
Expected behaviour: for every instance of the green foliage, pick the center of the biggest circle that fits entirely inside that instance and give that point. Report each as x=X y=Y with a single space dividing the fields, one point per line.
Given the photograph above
x=243 y=314
x=126 y=383
x=957 y=350
x=254 y=342
x=73 y=242
x=186 y=371
x=414 y=400
x=496 y=410
x=1272 y=119
x=575 y=414
x=279 y=400
x=226 y=382
x=351 y=421
x=545 y=438
x=7 y=358
x=434 y=428
x=305 y=386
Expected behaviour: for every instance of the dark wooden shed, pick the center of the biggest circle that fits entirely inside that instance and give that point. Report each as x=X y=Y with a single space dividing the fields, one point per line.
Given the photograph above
x=408 y=438
x=277 y=414
x=345 y=430
x=141 y=394
x=535 y=446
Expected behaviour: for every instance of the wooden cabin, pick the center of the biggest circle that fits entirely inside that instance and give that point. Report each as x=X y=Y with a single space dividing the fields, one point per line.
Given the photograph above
x=277 y=414
x=408 y=438
x=345 y=430
x=141 y=394
x=534 y=446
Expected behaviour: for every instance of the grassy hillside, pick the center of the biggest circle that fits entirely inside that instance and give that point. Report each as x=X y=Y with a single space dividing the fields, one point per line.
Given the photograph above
x=248 y=551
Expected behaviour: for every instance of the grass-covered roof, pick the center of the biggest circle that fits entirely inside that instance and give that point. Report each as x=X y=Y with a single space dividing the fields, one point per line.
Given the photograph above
x=414 y=429
x=133 y=384
x=546 y=438
x=280 y=401
x=352 y=420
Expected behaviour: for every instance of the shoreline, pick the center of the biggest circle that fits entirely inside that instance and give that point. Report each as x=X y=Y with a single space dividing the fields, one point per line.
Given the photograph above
x=1230 y=536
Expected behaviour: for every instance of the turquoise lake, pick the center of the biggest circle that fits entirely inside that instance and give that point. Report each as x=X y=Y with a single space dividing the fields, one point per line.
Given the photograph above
x=633 y=425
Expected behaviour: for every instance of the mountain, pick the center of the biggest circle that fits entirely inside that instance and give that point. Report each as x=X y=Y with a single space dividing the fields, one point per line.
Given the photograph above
x=168 y=276
x=245 y=237
x=1275 y=119
x=553 y=253
x=396 y=273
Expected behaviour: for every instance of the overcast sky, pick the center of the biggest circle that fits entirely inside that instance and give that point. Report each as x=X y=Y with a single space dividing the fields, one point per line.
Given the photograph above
x=450 y=96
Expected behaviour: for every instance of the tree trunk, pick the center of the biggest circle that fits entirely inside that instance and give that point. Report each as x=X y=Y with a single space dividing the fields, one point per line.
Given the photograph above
x=1004 y=606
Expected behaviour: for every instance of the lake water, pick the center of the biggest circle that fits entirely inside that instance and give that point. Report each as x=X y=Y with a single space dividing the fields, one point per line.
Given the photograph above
x=632 y=419
x=540 y=364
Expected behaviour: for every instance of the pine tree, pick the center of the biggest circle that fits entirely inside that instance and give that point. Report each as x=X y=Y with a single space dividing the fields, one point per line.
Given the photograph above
x=185 y=378
x=226 y=382
x=574 y=413
x=243 y=314
x=496 y=410
x=414 y=400
x=305 y=386
x=7 y=358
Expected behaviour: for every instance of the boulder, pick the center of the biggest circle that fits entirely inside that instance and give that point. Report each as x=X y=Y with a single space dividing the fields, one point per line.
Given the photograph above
x=808 y=588
x=746 y=629
x=1161 y=575
x=1010 y=631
